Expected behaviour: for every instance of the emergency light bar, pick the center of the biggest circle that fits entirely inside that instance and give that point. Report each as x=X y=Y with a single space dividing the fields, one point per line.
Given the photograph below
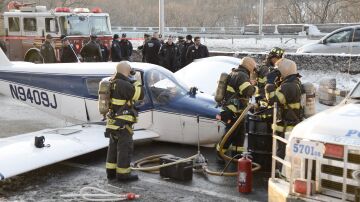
x=62 y=10
x=96 y=10
x=81 y=10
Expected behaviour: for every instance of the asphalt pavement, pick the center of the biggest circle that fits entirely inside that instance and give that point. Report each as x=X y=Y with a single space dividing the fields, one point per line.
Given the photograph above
x=68 y=177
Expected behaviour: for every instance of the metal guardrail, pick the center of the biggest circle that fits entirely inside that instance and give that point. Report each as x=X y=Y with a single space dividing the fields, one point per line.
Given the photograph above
x=251 y=30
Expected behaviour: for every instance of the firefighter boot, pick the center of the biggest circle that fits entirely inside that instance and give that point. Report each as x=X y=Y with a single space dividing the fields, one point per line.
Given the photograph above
x=127 y=177
x=111 y=174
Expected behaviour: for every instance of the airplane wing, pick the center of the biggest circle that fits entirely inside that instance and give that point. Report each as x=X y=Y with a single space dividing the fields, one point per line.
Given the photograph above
x=19 y=155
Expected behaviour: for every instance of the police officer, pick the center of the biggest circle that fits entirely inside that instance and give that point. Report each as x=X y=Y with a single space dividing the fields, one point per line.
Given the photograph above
x=104 y=51
x=126 y=48
x=141 y=48
x=151 y=49
x=91 y=51
x=67 y=53
x=121 y=117
x=115 y=49
x=187 y=44
x=47 y=50
x=287 y=95
x=239 y=90
x=170 y=55
x=196 y=51
x=180 y=42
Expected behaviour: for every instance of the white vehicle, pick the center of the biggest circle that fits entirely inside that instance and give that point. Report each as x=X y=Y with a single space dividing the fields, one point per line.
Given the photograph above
x=327 y=145
x=344 y=40
x=168 y=112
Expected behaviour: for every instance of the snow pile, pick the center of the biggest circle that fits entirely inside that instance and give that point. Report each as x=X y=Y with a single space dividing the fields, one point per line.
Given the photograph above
x=314 y=31
x=344 y=81
x=316 y=62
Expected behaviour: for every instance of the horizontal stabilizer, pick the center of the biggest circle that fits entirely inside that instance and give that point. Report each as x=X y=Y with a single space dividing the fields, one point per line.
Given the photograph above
x=22 y=156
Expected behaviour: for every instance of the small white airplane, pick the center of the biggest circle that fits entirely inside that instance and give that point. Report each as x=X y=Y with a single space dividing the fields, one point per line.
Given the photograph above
x=212 y=66
x=168 y=112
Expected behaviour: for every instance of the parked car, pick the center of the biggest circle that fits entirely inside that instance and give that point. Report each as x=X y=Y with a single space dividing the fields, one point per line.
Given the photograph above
x=343 y=40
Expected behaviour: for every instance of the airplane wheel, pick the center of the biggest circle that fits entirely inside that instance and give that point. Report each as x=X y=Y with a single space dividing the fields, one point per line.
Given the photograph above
x=34 y=57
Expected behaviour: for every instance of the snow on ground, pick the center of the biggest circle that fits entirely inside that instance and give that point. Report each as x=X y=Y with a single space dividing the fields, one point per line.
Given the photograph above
x=249 y=44
x=344 y=81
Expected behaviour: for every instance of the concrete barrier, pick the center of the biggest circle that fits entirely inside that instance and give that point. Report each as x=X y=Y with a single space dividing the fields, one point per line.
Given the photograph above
x=324 y=62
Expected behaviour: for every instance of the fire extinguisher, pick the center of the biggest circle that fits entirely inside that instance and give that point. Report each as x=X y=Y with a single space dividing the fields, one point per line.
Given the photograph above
x=245 y=173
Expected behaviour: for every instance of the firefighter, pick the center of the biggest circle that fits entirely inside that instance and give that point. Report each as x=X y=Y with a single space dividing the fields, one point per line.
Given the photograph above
x=91 y=51
x=126 y=48
x=274 y=55
x=47 y=50
x=196 y=51
x=238 y=92
x=151 y=49
x=67 y=53
x=115 y=49
x=265 y=73
x=170 y=55
x=288 y=96
x=120 y=119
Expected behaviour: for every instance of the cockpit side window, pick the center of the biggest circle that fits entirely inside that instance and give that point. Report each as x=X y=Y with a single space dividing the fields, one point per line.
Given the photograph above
x=162 y=88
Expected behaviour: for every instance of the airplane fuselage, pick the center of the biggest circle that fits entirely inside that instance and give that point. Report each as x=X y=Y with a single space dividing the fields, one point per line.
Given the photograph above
x=69 y=91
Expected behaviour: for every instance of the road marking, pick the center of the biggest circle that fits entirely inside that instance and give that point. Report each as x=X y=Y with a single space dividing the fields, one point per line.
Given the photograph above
x=164 y=183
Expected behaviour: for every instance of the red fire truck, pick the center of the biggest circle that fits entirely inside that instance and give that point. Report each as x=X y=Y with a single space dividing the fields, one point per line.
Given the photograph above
x=25 y=28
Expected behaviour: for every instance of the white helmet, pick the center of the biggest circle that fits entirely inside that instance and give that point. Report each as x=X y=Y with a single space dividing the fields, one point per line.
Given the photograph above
x=286 y=67
x=249 y=63
x=124 y=68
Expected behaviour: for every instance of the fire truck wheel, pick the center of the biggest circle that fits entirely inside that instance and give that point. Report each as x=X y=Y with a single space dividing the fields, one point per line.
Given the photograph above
x=34 y=57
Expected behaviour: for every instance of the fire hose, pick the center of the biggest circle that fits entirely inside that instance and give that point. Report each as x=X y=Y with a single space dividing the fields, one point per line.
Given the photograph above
x=138 y=165
x=87 y=193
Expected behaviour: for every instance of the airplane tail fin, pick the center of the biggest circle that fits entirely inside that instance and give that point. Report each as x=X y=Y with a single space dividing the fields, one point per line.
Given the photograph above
x=4 y=60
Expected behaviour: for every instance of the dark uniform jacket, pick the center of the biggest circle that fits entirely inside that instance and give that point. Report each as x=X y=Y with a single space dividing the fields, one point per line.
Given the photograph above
x=126 y=49
x=151 y=50
x=91 y=52
x=183 y=53
x=3 y=46
x=169 y=56
x=115 y=51
x=239 y=90
x=194 y=53
x=67 y=55
x=48 y=53
x=104 y=53
x=288 y=97
x=124 y=93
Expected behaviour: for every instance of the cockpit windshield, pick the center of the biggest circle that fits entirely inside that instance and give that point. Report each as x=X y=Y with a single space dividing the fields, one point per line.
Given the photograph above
x=84 y=25
x=164 y=88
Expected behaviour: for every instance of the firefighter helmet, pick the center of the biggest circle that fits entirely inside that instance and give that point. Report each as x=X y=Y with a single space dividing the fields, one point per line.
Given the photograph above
x=286 y=67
